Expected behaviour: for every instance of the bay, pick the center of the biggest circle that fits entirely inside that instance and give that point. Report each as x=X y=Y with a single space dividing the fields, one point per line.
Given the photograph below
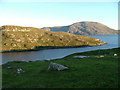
x=49 y=54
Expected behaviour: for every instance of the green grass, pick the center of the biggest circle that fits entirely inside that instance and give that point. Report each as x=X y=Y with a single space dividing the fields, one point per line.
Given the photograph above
x=90 y=72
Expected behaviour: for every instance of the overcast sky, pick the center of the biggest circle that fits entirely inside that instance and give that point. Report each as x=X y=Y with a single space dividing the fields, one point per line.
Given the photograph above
x=36 y=13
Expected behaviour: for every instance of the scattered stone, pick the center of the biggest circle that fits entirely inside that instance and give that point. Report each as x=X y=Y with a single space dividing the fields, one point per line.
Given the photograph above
x=80 y=56
x=19 y=70
x=101 y=56
x=83 y=56
x=97 y=39
x=115 y=54
x=98 y=56
x=78 y=39
x=55 y=66
x=9 y=67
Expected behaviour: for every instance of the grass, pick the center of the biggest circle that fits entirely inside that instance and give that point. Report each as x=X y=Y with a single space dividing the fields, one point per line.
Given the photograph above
x=28 y=40
x=90 y=72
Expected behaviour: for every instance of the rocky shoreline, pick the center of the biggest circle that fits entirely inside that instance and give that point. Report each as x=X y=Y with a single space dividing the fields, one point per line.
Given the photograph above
x=49 y=47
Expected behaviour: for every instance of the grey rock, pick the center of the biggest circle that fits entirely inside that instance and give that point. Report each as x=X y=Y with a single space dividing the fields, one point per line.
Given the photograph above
x=9 y=67
x=115 y=54
x=20 y=70
x=55 y=66
x=81 y=56
x=84 y=28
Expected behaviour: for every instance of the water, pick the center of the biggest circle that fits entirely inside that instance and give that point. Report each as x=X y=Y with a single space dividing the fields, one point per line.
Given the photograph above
x=112 y=41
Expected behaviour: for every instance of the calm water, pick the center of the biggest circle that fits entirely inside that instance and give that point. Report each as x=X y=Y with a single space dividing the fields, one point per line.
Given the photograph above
x=112 y=41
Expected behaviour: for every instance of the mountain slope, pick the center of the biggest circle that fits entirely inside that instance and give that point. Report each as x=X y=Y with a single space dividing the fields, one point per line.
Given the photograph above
x=23 y=38
x=84 y=28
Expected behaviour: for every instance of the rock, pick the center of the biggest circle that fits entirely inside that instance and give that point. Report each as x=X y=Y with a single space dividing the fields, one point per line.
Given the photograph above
x=9 y=67
x=101 y=56
x=115 y=54
x=55 y=66
x=81 y=56
x=84 y=28
x=19 y=70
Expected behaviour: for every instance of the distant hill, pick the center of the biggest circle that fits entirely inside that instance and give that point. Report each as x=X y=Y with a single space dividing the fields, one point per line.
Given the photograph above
x=84 y=28
x=24 y=38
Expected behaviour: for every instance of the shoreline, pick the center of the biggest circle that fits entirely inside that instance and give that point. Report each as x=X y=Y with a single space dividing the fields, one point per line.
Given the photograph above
x=67 y=55
x=44 y=48
x=80 y=71
x=38 y=48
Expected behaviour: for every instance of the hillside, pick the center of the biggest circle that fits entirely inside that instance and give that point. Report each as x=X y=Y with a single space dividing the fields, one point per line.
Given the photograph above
x=100 y=71
x=84 y=28
x=24 y=38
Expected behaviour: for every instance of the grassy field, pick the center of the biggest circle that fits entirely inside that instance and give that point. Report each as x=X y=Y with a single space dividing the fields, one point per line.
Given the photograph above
x=89 y=72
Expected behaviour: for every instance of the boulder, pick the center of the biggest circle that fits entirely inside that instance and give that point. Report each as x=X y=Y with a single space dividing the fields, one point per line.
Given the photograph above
x=55 y=66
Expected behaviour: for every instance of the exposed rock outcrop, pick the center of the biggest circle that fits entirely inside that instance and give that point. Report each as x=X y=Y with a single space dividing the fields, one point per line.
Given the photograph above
x=85 y=28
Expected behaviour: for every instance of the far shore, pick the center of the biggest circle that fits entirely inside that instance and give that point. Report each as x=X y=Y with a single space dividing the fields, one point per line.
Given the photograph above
x=47 y=47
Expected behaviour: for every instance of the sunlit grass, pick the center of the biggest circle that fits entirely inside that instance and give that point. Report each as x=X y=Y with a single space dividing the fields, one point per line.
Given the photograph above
x=90 y=72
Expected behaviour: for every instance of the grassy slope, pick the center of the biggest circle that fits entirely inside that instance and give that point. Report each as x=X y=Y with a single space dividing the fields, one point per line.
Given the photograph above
x=90 y=72
x=24 y=40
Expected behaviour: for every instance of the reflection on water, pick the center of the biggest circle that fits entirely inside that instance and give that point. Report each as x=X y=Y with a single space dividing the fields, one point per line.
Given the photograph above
x=112 y=41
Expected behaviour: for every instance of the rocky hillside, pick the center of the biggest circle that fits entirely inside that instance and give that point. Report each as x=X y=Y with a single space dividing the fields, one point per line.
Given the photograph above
x=24 y=38
x=84 y=28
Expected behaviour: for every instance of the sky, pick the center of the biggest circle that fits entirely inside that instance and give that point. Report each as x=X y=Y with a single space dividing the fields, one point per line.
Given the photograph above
x=39 y=13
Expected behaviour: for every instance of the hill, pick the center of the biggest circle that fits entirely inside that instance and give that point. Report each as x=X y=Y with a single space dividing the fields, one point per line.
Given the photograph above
x=25 y=38
x=84 y=28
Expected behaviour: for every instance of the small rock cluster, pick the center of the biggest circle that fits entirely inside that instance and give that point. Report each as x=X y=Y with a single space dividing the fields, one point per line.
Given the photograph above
x=20 y=70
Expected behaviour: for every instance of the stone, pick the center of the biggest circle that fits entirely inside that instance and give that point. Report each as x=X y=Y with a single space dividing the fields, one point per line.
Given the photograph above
x=9 y=67
x=81 y=56
x=19 y=70
x=101 y=56
x=55 y=66
x=115 y=54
